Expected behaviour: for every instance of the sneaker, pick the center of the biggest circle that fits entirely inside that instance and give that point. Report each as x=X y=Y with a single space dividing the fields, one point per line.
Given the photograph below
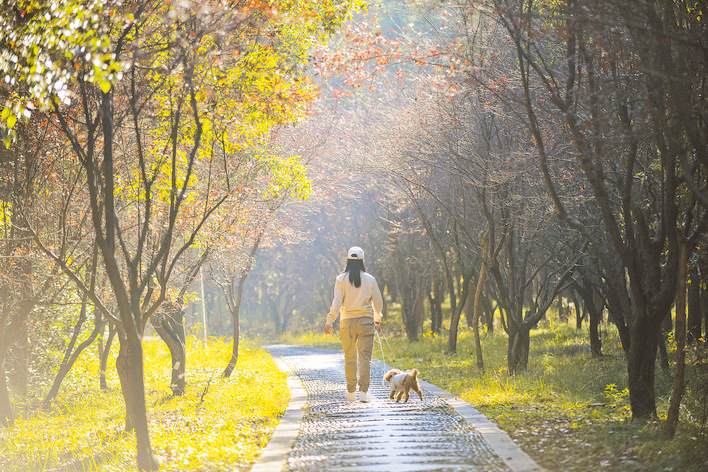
x=364 y=397
x=351 y=396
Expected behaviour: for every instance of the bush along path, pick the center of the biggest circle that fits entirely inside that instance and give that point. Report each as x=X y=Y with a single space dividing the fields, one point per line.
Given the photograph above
x=321 y=431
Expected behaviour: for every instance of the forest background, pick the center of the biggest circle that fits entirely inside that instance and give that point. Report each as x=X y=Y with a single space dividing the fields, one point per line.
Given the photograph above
x=174 y=168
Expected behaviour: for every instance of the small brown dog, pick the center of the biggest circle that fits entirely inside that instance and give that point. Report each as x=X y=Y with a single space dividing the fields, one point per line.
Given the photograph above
x=402 y=383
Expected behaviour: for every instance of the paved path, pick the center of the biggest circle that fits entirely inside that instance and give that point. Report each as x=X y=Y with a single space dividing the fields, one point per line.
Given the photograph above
x=321 y=431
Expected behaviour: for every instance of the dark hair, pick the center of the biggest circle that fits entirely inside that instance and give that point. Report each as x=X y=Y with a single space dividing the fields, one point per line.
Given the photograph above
x=355 y=267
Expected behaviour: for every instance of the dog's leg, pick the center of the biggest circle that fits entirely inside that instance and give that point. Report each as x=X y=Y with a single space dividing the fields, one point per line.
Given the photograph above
x=390 y=396
x=416 y=389
x=398 y=397
x=408 y=395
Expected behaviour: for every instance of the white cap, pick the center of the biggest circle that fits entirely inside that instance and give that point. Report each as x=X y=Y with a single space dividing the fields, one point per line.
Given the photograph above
x=355 y=252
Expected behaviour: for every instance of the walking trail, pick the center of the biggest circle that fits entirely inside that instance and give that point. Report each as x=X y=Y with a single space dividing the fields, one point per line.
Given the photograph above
x=321 y=431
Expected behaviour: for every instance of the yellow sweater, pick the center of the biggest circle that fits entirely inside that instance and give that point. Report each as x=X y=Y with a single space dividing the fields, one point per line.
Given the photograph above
x=356 y=302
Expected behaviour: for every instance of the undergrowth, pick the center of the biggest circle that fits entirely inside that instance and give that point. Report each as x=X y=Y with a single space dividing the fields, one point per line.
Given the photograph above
x=218 y=424
x=568 y=411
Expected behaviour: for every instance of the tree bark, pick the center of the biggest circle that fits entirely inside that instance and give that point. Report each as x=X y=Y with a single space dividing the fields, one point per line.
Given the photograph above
x=236 y=329
x=457 y=313
x=104 y=353
x=469 y=303
x=411 y=305
x=7 y=338
x=18 y=358
x=6 y=411
x=434 y=297
x=489 y=312
x=641 y=362
x=580 y=312
x=588 y=295
x=169 y=325
x=476 y=307
x=593 y=328
x=672 y=416
x=694 y=315
x=616 y=315
x=132 y=383
x=518 y=347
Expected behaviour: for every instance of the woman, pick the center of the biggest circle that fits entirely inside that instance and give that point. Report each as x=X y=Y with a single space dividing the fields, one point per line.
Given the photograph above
x=357 y=299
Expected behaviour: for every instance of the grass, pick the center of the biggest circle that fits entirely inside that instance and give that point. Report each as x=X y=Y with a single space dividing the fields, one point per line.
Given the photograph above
x=568 y=411
x=219 y=424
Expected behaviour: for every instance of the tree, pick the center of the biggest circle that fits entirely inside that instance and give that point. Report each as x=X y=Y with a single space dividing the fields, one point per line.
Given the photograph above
x=153 y=98
x=29 y=280
x=627 y=116
x=232 y=264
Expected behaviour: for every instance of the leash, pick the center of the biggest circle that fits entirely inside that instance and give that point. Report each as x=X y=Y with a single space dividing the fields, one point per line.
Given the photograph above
x=383 y=359
x=389 y=346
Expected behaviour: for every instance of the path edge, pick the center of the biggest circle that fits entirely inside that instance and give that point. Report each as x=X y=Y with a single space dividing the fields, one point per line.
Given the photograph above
x=275 y=455
x=500 y=442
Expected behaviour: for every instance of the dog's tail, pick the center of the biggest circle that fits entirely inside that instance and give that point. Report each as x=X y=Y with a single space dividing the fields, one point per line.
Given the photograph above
x=414 y=373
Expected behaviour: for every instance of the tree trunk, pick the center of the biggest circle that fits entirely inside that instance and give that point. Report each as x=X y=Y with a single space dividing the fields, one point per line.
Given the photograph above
x=489 y=311
x=672 y=416
x=593 y=328
x=18 y=359
x=518 y=347
x=666 y=327
x=70 y=357
x=236 y=336
x=104 y=352
x=616 y=316
x=7 y=339
x=663 y=353
x=476 y=308
x=457 y=314
x=410 y=310
x=595 y=318
x=693 y=301
x=562 y=314
x=469 y=303
x=435 y=298
x=6 y=411
x=235 y=305
x=704 y=311
x=234 y=349
x=580 y=312
x=641 y=362
x=452 y=335
x=169 y=325
x=132 y=383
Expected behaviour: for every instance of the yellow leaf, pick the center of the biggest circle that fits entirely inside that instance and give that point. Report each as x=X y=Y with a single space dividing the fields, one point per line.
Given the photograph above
x=11 y=120
x=105 y=85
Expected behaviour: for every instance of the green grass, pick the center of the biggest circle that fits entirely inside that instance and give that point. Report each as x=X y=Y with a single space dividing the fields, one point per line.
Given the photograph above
x=568 y=411
x=219 y=424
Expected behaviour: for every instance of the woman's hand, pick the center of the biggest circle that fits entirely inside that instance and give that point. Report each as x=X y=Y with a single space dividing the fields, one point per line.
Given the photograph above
x=328 y=328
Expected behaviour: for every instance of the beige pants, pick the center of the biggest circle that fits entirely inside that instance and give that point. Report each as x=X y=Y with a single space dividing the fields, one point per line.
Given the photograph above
x=357 y=335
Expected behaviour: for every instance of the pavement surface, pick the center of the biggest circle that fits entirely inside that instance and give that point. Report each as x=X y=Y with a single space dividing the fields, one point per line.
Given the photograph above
x=322 y=431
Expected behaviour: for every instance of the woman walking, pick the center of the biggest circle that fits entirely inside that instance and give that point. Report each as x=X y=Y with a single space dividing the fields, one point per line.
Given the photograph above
x=357 y=299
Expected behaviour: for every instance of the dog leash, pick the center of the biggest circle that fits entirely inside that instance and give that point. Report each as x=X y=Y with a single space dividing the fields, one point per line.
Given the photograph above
x=389 y=346
x=383 y=359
